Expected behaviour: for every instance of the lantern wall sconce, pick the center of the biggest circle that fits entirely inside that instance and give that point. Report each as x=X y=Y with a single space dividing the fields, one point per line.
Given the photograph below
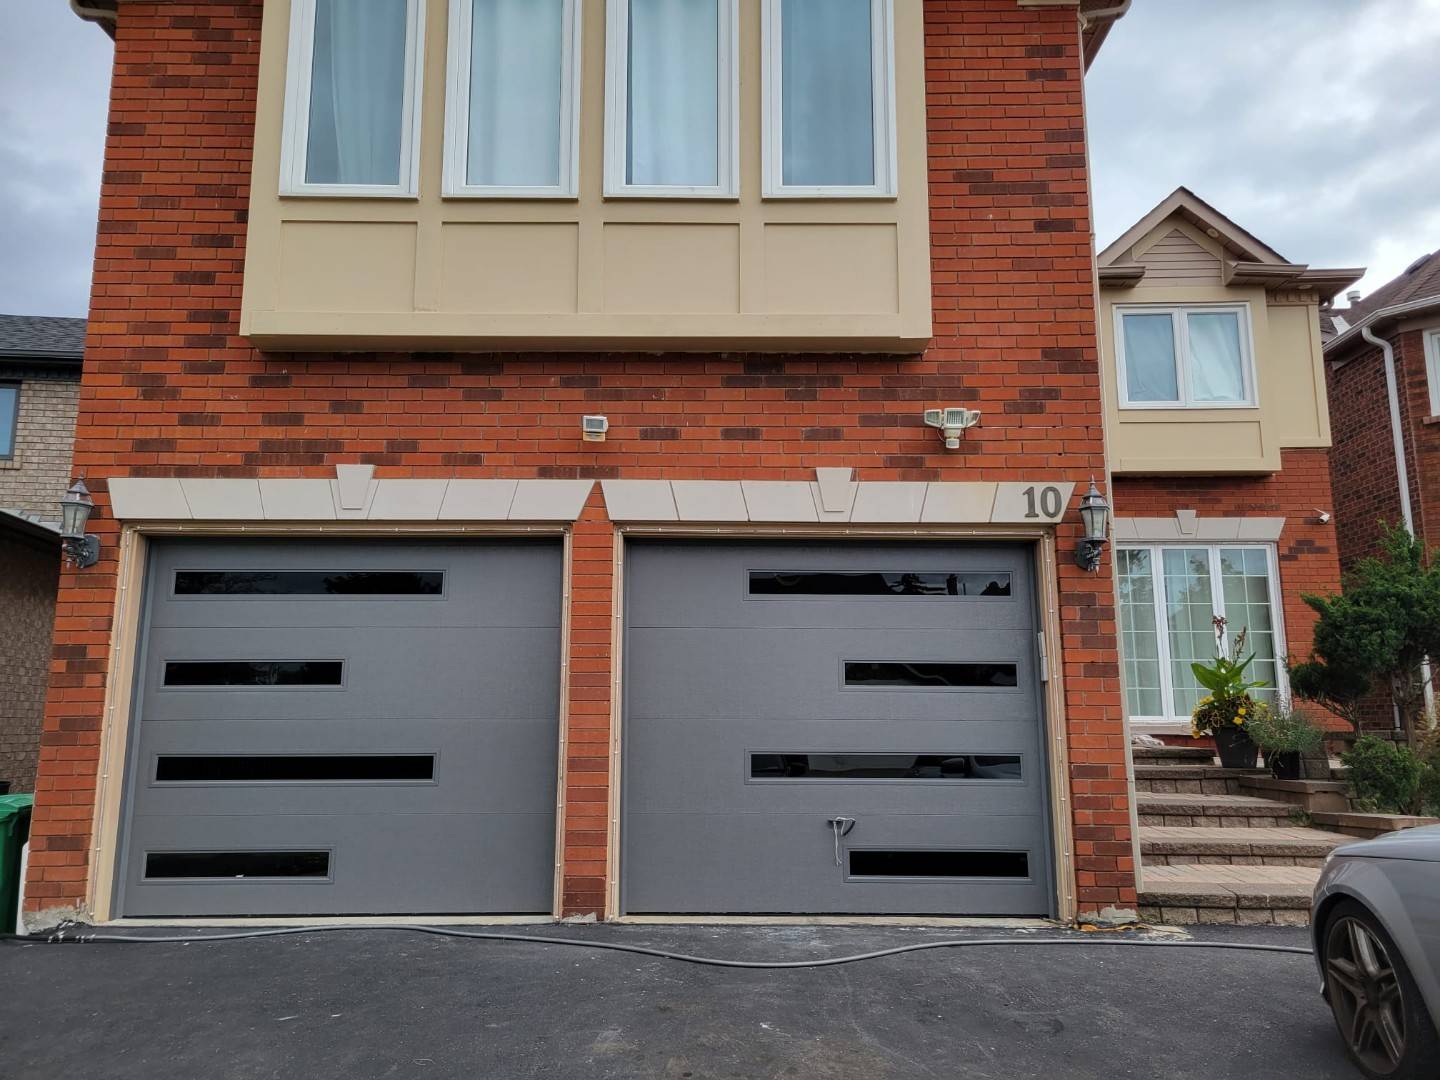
x=82 y=549
x=1095 y=515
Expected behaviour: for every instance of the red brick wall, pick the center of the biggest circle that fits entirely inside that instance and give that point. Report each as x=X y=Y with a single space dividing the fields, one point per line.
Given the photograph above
x=170 y=389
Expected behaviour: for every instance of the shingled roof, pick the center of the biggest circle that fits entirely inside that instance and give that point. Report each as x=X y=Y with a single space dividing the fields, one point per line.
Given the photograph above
x=1415 y=291
x=42 y=337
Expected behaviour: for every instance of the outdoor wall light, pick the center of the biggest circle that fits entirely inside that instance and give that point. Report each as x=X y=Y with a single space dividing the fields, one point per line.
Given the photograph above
x=81 y=548
x=1095 y=516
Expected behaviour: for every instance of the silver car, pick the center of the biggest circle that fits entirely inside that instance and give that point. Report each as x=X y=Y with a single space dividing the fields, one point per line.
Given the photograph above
x=1376 y=925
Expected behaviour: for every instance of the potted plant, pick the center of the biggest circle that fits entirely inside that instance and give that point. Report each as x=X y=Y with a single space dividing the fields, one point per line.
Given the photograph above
x=1227 y=710
x=1286 y=736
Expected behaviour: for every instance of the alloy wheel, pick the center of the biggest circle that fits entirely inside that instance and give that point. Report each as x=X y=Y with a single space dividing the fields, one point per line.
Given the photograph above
x=1365 y=994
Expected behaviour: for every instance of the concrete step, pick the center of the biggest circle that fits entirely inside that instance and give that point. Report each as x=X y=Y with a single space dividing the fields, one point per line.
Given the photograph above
x=1172 y=755
x=1247 y=895
x=1367 y=826
x=1162 y=845
x=1226 y=811
x=1311 y=795
x=1190 y=779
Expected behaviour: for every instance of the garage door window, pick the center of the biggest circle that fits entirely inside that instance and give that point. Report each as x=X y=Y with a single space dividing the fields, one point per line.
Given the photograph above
x=237 y=865
x=366 y=583
x=782 y=583
x=930 y=675
x=280 y=768
x=885 y=767
x=939 y=864
x=253 y=673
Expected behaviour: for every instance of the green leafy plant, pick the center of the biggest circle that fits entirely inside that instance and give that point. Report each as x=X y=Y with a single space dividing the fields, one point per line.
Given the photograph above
x=1387 y=777
x=1284 y=731
x=1229 y=703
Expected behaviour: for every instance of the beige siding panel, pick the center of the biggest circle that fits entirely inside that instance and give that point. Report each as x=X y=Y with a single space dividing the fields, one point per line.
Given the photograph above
x=832 y=269
x=1300 y=404
x=1176 y=259
x=334 y=266
x=672 y=269
x=1217 y=445
x=503 y=267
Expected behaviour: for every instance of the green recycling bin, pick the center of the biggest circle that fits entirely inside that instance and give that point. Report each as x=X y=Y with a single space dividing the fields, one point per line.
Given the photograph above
x=14 y=831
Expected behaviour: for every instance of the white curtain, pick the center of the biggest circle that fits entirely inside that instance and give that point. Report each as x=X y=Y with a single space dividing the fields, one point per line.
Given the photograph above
x=827 y=93
x=516 y=69
x=1150 y=358
x=1216 y=370
x=674 y=93
x=357 y=91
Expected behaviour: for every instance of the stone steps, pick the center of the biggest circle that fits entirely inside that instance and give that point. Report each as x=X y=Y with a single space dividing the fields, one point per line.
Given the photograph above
x=1191 y=845
x=1228 y=895
x=1172 y=755
x=1190 y=779
x=1211 y=811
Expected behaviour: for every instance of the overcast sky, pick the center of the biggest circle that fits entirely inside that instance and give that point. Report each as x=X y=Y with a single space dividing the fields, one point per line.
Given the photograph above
x=1315 y=124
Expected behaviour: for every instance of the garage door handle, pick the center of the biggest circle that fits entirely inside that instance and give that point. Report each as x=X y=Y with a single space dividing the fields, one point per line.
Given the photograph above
x=840 y=826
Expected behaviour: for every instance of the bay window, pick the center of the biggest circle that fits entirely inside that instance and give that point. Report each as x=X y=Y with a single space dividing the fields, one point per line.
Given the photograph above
x=352 y=98
x=671 y=102
x=1197 y=357
x=829 y=113
x=512 y=99
x=1169 y=597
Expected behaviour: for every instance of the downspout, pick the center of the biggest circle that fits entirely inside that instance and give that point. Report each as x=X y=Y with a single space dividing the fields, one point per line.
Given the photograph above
x=1402 y=473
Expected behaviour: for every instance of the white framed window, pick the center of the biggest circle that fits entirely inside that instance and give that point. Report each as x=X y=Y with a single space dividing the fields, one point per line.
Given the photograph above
x=828 y=78
x=352 y=98
x=672 y=99
x=1169 y=596
x=1185 y=357
x=512 y=101
x=1432 y=369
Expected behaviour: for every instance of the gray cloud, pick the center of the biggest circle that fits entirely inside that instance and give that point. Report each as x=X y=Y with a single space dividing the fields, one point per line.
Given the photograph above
x=1312 y=123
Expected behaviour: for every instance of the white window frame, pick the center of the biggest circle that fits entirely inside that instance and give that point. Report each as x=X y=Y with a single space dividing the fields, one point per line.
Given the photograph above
x=882 y=68
x=617 y=90
x=457 y=113
x=296 y=131
x=1180 y=327
x=1217 y=600
x=1432 y=369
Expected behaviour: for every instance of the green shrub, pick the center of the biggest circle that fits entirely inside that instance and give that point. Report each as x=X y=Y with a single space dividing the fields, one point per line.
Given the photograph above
x=1387 y=777
x=1284 y=731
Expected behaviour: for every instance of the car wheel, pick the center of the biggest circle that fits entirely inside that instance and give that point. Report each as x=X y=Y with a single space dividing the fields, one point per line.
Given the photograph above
x=1377 y=1006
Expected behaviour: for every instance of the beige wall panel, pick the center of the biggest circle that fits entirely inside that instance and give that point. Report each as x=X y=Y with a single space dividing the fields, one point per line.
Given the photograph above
x=501 y=267
x=832 y=269
x=1300 y=405
x=335 y=266
x=1213 y=445
x=672 y=269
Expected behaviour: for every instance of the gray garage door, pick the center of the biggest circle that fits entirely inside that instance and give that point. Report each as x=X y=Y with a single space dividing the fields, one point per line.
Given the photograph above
x=344 y=727
x=846 y=728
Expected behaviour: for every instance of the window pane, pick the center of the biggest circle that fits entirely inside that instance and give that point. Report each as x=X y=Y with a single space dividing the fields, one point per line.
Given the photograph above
x=517 y=62
x=291 y=768
x=939 y=864
x=237 y=864
x=674 y=93
x=1139 y=640
x=1150 y=358
x=876 y=583
x=827 y=92
x=928 y=674
x=254 y=672
x=357 y=92
x=1216 y=370
x=309 y=582
x=1189 y=609
x=1245 y=579
x=9 y=410
x=885 y=767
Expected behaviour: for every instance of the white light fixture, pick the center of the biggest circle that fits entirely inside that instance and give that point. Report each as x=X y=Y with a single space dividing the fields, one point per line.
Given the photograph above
x=81 y=548
x=593 y=428
x=953 y=423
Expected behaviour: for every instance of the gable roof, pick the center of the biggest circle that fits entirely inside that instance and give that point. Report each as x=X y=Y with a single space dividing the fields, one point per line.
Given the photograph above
x=42 y=337
x=1246 y=259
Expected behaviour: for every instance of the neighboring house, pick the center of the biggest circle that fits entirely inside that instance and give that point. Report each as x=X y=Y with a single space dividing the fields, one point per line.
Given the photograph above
x=1218 y=429
x=1382 y=358
x=39 y=395
x=380 y=623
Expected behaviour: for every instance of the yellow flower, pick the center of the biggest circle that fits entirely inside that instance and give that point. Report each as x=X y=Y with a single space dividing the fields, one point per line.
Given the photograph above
x=1238 y=720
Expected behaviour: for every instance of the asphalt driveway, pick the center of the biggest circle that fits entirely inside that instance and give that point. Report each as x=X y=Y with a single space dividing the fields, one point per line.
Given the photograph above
x=374 y=1003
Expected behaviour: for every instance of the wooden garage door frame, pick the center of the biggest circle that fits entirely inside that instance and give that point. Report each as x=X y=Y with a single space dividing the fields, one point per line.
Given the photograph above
x=118 y=705
x=1042 y=541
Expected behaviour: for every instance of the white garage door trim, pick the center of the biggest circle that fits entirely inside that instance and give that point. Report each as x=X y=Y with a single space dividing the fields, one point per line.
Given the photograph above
x=1046 y=583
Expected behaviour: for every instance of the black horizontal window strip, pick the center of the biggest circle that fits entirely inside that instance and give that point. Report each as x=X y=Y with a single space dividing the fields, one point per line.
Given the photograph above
x=884 y=767
x=876 y=583
x=940 y=864
x=309 y=582
x=237 y=864
x=929 y=673
x=253 y=672
x=241 y=768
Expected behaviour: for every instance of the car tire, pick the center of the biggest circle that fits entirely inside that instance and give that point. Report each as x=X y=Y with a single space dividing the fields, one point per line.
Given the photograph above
x=1381 y=1017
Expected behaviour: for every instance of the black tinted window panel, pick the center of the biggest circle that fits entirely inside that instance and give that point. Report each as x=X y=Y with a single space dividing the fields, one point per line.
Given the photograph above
x=935 y=674
x=201 y=673
x=160 y=865
x=259 y=768
x=885 y=767
x=939 y=864
x=309 y=582
x=877 y=583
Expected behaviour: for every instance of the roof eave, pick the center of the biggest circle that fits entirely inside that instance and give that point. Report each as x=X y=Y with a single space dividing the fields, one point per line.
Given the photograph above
x=1352 y=335
x=101 y=12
